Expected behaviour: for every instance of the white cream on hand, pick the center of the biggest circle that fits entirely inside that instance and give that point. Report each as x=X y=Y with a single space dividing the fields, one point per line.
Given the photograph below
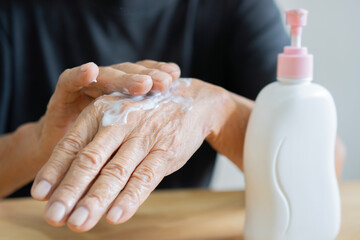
x=117 y=109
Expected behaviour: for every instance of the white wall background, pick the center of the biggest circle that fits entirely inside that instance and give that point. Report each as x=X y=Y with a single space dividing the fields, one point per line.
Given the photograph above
x=333 y=36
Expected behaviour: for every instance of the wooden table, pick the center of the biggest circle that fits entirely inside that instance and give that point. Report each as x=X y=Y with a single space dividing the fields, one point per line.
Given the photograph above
x=180 y=214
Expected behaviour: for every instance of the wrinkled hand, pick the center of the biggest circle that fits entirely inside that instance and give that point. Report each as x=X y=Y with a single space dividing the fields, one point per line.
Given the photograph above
x=98 y=169
x=79 y=86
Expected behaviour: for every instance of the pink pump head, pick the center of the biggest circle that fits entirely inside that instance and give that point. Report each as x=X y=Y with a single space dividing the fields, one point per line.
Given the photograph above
x=295 y=62
x=296 y=19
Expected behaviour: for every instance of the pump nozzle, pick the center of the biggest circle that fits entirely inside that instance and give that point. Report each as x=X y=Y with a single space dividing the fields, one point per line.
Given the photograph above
x=296 y=19
x=295 y=62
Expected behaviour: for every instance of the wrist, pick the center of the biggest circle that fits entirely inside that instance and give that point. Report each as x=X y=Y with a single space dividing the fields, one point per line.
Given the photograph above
x=29 y=135
x=229 y=124
x=220 y=108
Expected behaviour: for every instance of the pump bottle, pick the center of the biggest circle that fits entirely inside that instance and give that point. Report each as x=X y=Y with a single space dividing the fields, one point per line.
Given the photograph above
x=291 y=186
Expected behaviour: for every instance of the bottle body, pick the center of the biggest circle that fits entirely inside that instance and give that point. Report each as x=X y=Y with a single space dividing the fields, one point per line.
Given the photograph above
x=291 y=186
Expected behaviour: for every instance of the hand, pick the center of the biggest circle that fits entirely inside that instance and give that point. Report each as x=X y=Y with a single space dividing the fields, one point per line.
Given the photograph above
x=24 y=151
x=96 y=169
x=79 y=86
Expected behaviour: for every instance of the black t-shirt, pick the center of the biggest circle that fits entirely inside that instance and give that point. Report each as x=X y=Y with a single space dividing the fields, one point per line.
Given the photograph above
x=231 y=43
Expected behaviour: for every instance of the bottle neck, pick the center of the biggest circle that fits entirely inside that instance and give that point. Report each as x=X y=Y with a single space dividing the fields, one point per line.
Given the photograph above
x=294 y=81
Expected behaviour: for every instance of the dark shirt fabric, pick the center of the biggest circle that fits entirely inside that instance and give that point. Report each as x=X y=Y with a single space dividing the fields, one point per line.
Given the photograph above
x=231 y=43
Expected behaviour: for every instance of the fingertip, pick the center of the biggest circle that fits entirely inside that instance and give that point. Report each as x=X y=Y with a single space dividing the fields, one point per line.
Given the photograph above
x=55 y=213
x=54 y=224
x=81 y=221
x=172 y=69
x=121 y=220
x=140 y=85
x=161 y=84
x=76 y=228
x=114 y=215
x=175 y=74
x=40 y=191
x=88 y=66
x=89 y=72
x=125 y=217
x=111 y=221
x=120 y=213
x=73 y=224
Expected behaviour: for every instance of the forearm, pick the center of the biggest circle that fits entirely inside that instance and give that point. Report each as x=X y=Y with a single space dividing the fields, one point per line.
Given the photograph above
x=19 y=160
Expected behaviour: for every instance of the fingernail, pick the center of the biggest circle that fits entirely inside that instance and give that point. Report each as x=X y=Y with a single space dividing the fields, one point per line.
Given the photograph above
x=41 y=190
x=141 y=78
x=168 y=68
x=56 y=212
x=95 y=81
x=79 y=216
x=114 y=214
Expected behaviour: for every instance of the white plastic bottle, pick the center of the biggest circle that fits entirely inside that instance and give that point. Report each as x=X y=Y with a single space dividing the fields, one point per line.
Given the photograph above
x=291 y=186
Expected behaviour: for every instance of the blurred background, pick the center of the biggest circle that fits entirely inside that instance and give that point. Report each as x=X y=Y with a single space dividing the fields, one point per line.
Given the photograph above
x=333 y=36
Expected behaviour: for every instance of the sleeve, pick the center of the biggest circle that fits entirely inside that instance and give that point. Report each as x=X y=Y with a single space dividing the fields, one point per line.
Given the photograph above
x=255 y=35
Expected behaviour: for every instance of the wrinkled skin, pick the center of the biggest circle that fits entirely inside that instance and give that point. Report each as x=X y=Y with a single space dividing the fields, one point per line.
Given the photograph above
x=76 y=89
x=94 y=168
x=24 y=151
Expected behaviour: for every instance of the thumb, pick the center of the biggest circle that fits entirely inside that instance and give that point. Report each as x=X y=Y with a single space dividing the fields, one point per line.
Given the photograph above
x=71 y=81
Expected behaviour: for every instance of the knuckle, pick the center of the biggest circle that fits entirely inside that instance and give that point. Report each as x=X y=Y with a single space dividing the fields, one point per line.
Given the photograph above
x=67 y=147
x=71 y=142
x=163 y=153
x=151 y=71
x=150 y=130
x=126 y=64
x=54 y=166
x=141 y=81
x=121 y=66
x=50 y=172
x=129 y=77
x=89 y=159
x=145 y=175
x=98 y=199
x=117 y=171
x=160 y=65
x=134 y=196
x=141 y=142
x=70 y=190
x=104 y=70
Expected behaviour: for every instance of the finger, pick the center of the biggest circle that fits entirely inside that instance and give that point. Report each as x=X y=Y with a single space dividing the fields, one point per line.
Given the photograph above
x=171 y=68
x=114 y=80
x=64 y=152
x=81 y=173
x=161 y=80
x=141 y=183
x=107 y=186
x=71 y=81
